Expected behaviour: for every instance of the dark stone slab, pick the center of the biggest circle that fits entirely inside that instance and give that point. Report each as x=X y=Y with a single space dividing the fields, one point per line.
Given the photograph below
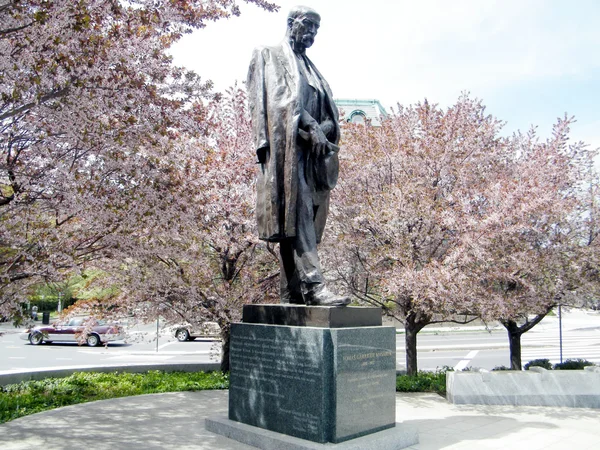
x=364 y=367
x=312 y=316
x=318 y=384
x=279 y=379
x=395 y=438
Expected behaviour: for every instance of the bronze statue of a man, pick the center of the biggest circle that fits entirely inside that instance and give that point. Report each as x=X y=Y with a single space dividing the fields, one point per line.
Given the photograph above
x=296 y=131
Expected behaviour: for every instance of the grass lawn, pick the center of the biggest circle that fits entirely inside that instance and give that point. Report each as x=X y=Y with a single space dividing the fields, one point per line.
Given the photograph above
x=30 y=397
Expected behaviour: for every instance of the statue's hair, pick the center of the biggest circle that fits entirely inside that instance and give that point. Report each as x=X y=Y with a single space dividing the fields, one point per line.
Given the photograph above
x=301 y=11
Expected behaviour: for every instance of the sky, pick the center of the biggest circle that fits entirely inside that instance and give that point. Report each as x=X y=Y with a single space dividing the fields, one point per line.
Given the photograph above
x=529 y=61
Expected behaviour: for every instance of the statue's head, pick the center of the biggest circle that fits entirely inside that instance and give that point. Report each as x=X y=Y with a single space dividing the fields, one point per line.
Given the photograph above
x=302 y=26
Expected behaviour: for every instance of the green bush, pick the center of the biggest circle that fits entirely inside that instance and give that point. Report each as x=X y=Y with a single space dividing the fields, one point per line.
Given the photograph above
x=573 y=364
x=29 y=397
x=423 y=382
x=500 y=368
x=545 y=363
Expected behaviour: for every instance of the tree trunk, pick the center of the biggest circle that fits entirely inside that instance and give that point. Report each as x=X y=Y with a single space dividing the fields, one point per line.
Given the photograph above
x=225 y=325
x=410 y=344
x=514 y=341
x=412 y=325
x=225 y=334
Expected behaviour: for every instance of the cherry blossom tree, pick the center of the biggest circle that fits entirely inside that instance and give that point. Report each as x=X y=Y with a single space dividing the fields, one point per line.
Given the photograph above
x=407 y=211
x=435 y=215
x=197 y=258
x=90 y=107
x=551 y=258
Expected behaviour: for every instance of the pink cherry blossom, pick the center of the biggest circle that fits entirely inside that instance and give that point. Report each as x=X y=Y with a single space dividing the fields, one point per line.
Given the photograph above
x=438 y=217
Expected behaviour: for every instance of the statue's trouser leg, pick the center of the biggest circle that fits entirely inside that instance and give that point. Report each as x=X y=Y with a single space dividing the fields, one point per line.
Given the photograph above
x=290 y=284
x=299 y=259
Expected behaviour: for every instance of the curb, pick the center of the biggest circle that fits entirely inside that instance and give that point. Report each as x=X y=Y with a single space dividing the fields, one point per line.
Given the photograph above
x=17 y=376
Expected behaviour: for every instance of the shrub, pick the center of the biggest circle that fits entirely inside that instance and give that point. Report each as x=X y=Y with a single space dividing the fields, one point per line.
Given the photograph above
x=545 y=363
x=423 y=382
x=573 y=364
x=500 y=368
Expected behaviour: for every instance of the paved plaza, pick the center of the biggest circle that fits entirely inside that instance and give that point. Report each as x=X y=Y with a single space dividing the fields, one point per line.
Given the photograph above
x=176 y=421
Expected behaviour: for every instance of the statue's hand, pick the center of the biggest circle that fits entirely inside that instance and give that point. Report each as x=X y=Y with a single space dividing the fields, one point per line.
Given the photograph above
x=327 y=127
x=261 y=155
x=318 y=140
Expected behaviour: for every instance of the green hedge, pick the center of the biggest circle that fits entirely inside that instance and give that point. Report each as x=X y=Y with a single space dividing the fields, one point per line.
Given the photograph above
x=545 y=363
x=423 y=382
x=18 y=400
x=573 y=364
x=569 y=364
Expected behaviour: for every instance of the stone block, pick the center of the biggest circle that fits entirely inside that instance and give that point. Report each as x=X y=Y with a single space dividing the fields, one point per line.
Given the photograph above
x=573 y=388
x=312 y=316
x=318 y=384
x=364 y=380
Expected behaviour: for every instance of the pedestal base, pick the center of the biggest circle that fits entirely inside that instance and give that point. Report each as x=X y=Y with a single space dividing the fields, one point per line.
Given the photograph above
x=394 y=438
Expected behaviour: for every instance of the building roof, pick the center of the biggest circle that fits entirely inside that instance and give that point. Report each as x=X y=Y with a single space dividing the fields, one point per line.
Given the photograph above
x=357 y=110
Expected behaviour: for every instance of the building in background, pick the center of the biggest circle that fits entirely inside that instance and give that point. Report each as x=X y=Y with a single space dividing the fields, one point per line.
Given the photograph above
x=359 y=111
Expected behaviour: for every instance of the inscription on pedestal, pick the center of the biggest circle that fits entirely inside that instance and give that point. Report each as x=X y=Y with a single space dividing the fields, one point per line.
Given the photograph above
x=365 y=381
x=277 y=380
x=252 y=354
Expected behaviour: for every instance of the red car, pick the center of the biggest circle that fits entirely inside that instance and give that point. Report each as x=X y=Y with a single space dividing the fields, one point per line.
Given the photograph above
x=99 y=332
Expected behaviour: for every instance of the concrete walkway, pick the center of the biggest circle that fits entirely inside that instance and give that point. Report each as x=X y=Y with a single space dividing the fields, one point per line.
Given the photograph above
x=176 y=421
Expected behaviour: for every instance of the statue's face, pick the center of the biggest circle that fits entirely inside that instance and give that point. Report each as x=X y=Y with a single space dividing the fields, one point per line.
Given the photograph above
x=304 y=29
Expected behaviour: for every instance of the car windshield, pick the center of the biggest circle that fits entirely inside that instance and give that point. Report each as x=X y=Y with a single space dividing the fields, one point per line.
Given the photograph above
x=80 y=321
x=75 y=322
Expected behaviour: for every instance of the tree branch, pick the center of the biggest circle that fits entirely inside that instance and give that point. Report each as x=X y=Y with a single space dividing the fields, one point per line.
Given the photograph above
x=28 y=106
x=6 y=32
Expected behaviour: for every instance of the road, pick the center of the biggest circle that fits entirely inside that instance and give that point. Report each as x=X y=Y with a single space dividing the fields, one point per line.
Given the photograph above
x=482 y=349
x=437 y=347
x=140 y=347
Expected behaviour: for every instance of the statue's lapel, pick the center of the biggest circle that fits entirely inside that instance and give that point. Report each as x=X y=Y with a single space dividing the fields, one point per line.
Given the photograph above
x=289 y=62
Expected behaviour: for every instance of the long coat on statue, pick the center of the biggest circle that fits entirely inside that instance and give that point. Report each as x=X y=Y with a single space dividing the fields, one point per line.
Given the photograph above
x=275 y=90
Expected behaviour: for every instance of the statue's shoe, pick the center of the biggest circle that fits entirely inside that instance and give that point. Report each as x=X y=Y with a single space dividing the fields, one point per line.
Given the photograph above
x=324 y=297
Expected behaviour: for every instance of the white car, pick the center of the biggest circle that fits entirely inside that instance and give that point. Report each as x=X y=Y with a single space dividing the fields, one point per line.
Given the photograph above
x=204 y=330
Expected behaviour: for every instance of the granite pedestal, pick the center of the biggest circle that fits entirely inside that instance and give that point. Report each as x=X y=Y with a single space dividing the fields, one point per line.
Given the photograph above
x=302 y=377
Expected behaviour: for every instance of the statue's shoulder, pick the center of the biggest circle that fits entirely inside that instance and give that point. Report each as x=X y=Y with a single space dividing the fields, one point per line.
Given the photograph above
x=266 y=50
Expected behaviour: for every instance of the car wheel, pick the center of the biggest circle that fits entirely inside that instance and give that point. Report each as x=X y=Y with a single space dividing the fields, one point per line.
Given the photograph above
x=93 y=340
x=182 y=335
x=36 y=338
